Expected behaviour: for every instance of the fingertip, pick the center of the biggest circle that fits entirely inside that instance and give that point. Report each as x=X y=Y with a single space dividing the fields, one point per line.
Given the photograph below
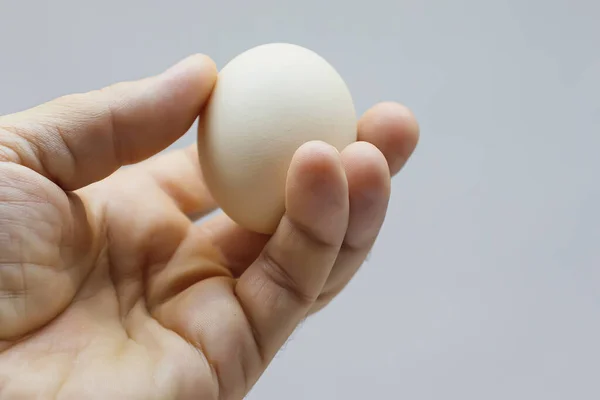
x=393 y=129
x=316 y=167
x=369 y=185
x=317 y=190
x=392 y=114
x=196 y=64
x=194 y=76
x=313 y=157
x=364 y=163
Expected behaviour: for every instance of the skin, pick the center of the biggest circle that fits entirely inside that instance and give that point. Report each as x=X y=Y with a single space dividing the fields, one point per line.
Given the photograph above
x=110 y=290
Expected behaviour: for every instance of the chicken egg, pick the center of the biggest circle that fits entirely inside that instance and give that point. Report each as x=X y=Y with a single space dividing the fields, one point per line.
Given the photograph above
x=266 y=103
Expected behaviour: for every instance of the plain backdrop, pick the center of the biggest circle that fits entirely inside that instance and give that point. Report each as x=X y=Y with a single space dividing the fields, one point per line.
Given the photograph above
x=485 y=283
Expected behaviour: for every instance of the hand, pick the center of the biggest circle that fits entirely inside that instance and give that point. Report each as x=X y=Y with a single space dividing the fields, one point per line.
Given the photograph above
x=109 y=290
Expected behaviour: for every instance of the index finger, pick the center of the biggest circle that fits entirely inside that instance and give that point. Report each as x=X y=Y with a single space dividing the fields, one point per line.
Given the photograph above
x=280 y=287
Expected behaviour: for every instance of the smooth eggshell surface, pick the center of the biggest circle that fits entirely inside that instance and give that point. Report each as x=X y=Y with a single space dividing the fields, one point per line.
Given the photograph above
x=267 y=102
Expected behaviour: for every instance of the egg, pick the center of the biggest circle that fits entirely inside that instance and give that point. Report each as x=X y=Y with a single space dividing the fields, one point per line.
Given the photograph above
x=266 y=103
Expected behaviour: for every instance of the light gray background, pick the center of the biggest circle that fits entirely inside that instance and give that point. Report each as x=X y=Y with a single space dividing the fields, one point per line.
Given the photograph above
x=485 y=283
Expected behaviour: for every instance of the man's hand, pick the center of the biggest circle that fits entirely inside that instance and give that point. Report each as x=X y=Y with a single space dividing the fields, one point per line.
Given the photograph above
x=109 y=290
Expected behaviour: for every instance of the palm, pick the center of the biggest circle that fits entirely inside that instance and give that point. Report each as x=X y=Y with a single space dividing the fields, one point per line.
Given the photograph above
x=123 y=297
x=108 y=287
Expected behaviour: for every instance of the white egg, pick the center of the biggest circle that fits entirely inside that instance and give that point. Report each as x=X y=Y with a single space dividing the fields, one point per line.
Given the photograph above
x=267 y=102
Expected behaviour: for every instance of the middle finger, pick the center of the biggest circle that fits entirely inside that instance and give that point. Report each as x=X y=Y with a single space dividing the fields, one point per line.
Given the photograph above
x=369 y=192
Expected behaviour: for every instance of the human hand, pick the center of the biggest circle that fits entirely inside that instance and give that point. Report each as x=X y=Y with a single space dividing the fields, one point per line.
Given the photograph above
x=109 y=290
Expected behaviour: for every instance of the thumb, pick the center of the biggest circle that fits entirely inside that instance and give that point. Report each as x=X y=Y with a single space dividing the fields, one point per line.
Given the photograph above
x=78 y=139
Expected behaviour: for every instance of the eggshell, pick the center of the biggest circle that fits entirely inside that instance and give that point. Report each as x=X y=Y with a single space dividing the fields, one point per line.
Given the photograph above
x=266 y=103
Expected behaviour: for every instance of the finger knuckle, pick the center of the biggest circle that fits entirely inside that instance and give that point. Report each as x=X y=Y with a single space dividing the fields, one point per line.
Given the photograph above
x=276 y=273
